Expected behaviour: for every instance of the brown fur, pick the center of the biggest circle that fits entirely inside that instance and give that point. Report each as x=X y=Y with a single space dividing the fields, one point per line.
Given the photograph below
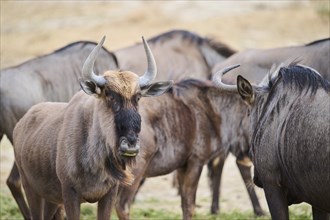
x=181 y=131
x=68 y=153
x=178 y=54
x=123 y=83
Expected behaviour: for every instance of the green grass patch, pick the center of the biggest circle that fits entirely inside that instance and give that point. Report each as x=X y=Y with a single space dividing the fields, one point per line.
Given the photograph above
x=154 y=214
x=10 y=211
x=88 y=211
x=301 y=212
x=237 y=215
x=8 y=208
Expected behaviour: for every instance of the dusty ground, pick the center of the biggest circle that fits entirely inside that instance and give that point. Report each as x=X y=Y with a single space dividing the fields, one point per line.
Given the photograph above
x=32 y=28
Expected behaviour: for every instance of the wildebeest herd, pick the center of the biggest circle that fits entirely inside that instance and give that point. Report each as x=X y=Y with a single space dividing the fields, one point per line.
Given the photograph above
x=99 y=144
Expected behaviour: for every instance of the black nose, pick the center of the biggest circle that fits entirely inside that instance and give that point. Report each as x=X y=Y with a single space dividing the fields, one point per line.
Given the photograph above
x=132 y=139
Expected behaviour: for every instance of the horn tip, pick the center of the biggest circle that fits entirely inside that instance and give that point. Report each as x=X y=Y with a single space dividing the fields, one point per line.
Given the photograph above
x=102 y=40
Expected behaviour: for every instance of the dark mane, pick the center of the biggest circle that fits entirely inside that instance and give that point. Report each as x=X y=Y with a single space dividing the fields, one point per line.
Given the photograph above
x=83 y=44
x=178 y=89
x=186 y=35
x=318 y=41
x=62 y=49
x=221 y=48
x=301 y=77
x=189 y=83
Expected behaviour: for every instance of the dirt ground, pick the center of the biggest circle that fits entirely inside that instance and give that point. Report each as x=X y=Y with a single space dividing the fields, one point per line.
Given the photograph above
x=33 y=28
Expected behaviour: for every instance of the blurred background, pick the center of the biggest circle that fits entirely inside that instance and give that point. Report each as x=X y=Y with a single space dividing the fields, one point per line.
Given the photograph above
x=33 y=28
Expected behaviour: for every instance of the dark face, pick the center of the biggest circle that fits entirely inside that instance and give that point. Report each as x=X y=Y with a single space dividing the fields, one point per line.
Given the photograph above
x=121 y=93
x=127 y=122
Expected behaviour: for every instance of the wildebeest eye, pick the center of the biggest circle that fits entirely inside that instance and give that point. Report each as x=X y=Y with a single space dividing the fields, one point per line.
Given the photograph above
x=114 y=101
x=115 y=106
x=137 y=97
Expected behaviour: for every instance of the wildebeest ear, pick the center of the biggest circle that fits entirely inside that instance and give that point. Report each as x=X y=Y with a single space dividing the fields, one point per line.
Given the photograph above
x=90 y=87
x=245 y=89
x=156 y=89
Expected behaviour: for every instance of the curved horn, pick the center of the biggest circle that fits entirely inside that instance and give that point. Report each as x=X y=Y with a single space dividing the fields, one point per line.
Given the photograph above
x=151 y=72
x=218 y=77
x=87 y=70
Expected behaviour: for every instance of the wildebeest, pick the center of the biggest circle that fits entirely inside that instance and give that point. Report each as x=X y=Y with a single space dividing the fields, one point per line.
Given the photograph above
x=290 y=136
x=68 y=153
x=179 y=54
x=54 y=77
x=182 y=131
x=255 y=64
x=180 y=58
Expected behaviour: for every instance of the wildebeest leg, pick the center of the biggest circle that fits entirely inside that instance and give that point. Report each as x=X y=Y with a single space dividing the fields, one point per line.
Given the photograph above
x=15 y=186
x=71 y=202
x=126 y=194
x=277 y=202
x=188 y=181
x=59 y=214
x=215 y=168
x=122 y=208
x=52 y=211
x=35 y=202
x=319 y=214
x=175 y=183
x=141 y=183
x=104 y=206
x=247 y=178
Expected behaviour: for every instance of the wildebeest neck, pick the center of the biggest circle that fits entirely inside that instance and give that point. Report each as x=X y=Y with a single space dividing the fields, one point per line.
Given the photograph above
x=299 y=78
x=116 y=169
x=282 y=93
